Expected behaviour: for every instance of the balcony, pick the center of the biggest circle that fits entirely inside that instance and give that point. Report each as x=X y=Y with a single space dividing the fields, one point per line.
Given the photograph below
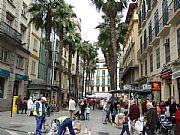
x=131 y=45
x=149 y=8
x=164 y=27
x=9 y=34
x=155 y=38
x=174 y=12
x=144 y=51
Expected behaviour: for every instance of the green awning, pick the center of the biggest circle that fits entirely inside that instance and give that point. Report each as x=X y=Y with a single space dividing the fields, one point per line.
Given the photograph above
x=4 y=73
x=21 y=77
x=137 y=91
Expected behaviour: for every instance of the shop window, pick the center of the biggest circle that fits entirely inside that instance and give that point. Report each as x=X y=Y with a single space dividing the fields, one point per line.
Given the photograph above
x=2 y=81
x=3 y=55
x=103 y=88
x=19 y=63
x=97 y=89
x=103 y=81
x=109 y=88
x=98 y=81
x=103 y=72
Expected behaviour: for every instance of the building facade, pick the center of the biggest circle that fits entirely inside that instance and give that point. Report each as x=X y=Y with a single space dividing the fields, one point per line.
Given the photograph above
x=159 y=32
x=102 y=78
x=130 y=69
x=14 y=51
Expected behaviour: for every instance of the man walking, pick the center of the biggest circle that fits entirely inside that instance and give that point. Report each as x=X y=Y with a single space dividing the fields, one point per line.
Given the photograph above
x=151 y=119
x=39 y=112
x=72 y=108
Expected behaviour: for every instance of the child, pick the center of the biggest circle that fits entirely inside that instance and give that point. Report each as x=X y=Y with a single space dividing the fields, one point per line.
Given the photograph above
x=125 y=124
x=87 y=112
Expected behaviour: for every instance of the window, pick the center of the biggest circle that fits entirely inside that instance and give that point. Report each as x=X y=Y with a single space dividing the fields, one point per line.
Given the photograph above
x=108 y=81
x=109 y=88
x=23 y=32
x=141 y=47
x=148 y=4
x=98 y=72
x=55 y=73
x=139 y=20
x=19 y=63
x=57 y=45
x=35 y=47
x=165 y=11
x=143 y=10
x=150 y=32
x=103 y=72
x=145 y=66
x=3 y=55
x=103 y=88
x=151 y=63
x=141 y=70
x=158 y=58
x=156 y=22
x=104 y=65
x=33 y=68
x=103 y=81
x=98 y=81
x=24 y=9
x=167 y=50
x=178 y=41
x=97 y=89
x=145 y=40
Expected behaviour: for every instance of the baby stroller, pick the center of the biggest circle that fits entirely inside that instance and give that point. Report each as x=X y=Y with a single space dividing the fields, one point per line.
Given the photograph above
x=166 y=125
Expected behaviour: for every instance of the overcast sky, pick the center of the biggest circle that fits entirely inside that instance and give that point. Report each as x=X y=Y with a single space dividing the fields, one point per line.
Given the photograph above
x=89 y=16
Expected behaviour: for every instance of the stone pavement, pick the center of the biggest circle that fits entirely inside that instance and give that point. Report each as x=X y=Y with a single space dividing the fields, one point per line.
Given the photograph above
x=21 y=124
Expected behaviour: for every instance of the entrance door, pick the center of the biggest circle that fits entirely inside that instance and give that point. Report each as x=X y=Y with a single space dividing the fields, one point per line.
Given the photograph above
x=16 y=88
x=1 y=87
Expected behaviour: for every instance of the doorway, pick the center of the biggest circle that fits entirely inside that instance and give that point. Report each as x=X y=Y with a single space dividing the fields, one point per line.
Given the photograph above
x=16 y=88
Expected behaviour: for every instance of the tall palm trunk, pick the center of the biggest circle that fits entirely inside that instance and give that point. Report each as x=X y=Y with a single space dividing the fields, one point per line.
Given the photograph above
x=69 y=70
x=86 y=83
x=59 y=97
x=77 y=74
x=48 y=27
x=114 y=57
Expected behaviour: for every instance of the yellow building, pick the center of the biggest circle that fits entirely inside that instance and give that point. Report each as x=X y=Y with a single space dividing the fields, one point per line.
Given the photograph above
x=159 y=45
x=130 y=71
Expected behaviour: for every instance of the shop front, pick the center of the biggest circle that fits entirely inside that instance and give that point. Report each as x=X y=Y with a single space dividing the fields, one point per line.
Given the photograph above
x=167 y=87
x=176 y=82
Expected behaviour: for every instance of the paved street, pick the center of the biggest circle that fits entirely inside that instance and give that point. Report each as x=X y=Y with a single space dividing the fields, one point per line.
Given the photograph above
x=21 y=124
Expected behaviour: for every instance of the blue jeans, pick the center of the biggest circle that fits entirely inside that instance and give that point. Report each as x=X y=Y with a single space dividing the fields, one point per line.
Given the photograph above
x=66 y=123
x=39 y=121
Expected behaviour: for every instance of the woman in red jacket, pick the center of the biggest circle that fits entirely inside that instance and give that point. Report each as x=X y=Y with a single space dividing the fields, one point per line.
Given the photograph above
x=177 y=117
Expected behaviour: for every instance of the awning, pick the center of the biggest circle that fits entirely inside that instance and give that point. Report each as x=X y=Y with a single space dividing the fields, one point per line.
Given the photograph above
x=21 y=77
x=137 y=91
x=4 y=73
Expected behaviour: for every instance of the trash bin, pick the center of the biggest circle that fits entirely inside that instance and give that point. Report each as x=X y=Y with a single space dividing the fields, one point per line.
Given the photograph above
x=14 y=107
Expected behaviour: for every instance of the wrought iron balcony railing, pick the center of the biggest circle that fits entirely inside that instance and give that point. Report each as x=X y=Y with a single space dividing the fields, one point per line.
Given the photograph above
x=9 y=31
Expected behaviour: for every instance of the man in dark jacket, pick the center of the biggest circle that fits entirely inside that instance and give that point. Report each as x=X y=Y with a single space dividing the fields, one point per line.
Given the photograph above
x=134 y=114
x=151 y=119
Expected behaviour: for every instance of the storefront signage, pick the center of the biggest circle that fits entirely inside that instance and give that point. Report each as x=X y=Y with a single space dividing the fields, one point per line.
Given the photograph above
x=156 y=86
x=166 y=75
x=166 y=68
x=21 y=77
x=176 y=74
x=4 y=73
x=146 y=87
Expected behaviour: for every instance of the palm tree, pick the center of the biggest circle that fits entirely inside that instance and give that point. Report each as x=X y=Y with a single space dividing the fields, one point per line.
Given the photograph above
x=63 y=22
x=42 y=12
x=111 y=9
x=104 y=40
x=87 y=52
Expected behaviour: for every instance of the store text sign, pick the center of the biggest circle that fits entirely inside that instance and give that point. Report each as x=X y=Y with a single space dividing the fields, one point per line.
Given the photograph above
x=156 y=86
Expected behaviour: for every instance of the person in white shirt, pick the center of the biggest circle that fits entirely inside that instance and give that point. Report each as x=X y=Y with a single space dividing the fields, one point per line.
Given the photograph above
x=87 y=112
x=29 y=106
x=72 y=108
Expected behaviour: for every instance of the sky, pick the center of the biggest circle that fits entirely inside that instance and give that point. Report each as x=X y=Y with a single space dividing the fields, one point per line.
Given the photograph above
x=90 y=18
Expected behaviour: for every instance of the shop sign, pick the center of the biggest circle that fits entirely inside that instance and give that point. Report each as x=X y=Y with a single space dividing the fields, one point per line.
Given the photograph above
x=146 y=87
x=21 y=77
x=176 y=74
x=166 y=68
x=156 y=86
x=4 y=73
x=166 y=75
